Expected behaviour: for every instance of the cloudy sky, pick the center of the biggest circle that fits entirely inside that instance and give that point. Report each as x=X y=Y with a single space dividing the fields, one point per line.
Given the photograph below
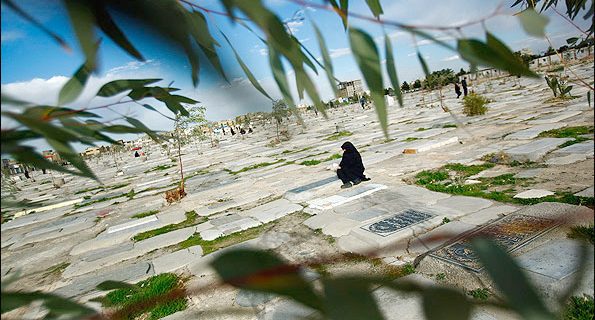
x=34 y=67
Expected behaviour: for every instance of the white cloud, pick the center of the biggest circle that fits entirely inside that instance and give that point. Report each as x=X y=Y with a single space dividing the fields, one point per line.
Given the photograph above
x=294 y=26
x=451 y=58
x=426 y=42
x=11 y=35
x=336 y=53
x=411 y=54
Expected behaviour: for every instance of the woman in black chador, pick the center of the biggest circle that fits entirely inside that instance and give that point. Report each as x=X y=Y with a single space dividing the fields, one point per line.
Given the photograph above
x=351 y=169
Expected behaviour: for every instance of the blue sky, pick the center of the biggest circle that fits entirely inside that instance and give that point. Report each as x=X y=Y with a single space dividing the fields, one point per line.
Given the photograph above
x=35 y=67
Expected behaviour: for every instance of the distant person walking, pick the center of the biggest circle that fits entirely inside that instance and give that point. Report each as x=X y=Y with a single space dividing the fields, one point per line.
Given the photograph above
x=457 y=90
x=464 y=84
x=362 y=102
x=351 y=169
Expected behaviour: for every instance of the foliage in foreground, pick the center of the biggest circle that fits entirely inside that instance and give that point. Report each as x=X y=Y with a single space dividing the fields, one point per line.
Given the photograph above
x=579 y=308
x=145 y=290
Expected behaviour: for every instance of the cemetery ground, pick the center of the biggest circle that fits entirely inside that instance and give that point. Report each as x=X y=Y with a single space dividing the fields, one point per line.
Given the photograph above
x=521 y=173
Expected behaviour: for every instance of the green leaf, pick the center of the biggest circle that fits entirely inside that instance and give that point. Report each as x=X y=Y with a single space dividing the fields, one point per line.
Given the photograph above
x=43 y=128
x=13 y=300
x=111 y=285
x=74 y=86
x=342 y=10
x=112 y=88
x=6 y=99
x=139 y=125
x=350 y=299
x=18 y=135
x=265 y=272
x=328 y=65
x=392 y=70
x=51 y=112
x=424 y=65
x=62 y=306
x=533 y=23
x=200 y=32
x=246 y=70
x=445 y=304
x=109 y=27
x=493 y=53
x=572 y=41
x=375 y=7
x=510 y=280
x=366 y=56
x=299 y=86
x=67 y=152
x=83 y=23
x=279 y=75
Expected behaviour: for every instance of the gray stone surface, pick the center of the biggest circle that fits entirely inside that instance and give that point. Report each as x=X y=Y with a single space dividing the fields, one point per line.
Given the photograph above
x=176 y=260
x=556 y=259
x=569 y=159
x=366 y=214
x=533 y=194
x=457 y=206
x=533 y=132
x=129 y=273
x=586 y=193
x=272 y=211
x=535 y=150
x=210 y=234
x=246 y=298
x=586 y=148
x=529 y=173
x=488 y=214
x=435 y=238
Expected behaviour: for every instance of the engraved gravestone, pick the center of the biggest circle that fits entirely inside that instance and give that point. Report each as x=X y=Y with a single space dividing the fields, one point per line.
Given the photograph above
x=388 y=226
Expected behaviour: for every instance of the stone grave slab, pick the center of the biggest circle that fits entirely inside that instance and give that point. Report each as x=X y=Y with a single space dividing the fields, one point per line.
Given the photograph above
x=492 y=213
x=510 y=232
x=273 y=210
x=438 y=236
x=417 y=147
x=129 y=273
x=457 y=206
x=587 y=148
x=344 y=197
x=557 y=259
x=533 y=194
x=529 y=173
x=132 y=224
x=569 y=159
x=366 y=214
x=586 y=193
x=397 y=222
x=176 y=260
x=210 y=234
x=238 y=225
x=535 y=150
x=305 y=192
x=533 y=132
x=556 y=117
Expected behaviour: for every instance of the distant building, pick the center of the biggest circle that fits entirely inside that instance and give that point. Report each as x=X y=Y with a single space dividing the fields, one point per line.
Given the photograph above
x=350 y=88
x=527 y=51
x=12 y=166
x=51 y=155
x=91 y=151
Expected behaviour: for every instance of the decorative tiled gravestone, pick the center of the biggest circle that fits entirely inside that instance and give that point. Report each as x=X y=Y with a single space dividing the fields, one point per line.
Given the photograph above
x=388 y=226
x=510 y=232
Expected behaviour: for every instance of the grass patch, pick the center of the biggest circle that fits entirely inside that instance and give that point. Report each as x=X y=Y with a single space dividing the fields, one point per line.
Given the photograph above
x=160 y=167
x=440 y=276
x=579 y=308
x=449 y=179
x=467 y=171
x=449 y=125
x=560 y=98
x=338 y=135
x=314 y=162
x=296 y=150
x=445 y=220
x=585 y=233
x=328 y=238
x=254 y=166
x=225 y=241
x=569 y=132
x=408 y=139
x=192 y=218
x=150 y=288
x=421 y=129
x=145 y=214
x=480 y=294
x=89 y=189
